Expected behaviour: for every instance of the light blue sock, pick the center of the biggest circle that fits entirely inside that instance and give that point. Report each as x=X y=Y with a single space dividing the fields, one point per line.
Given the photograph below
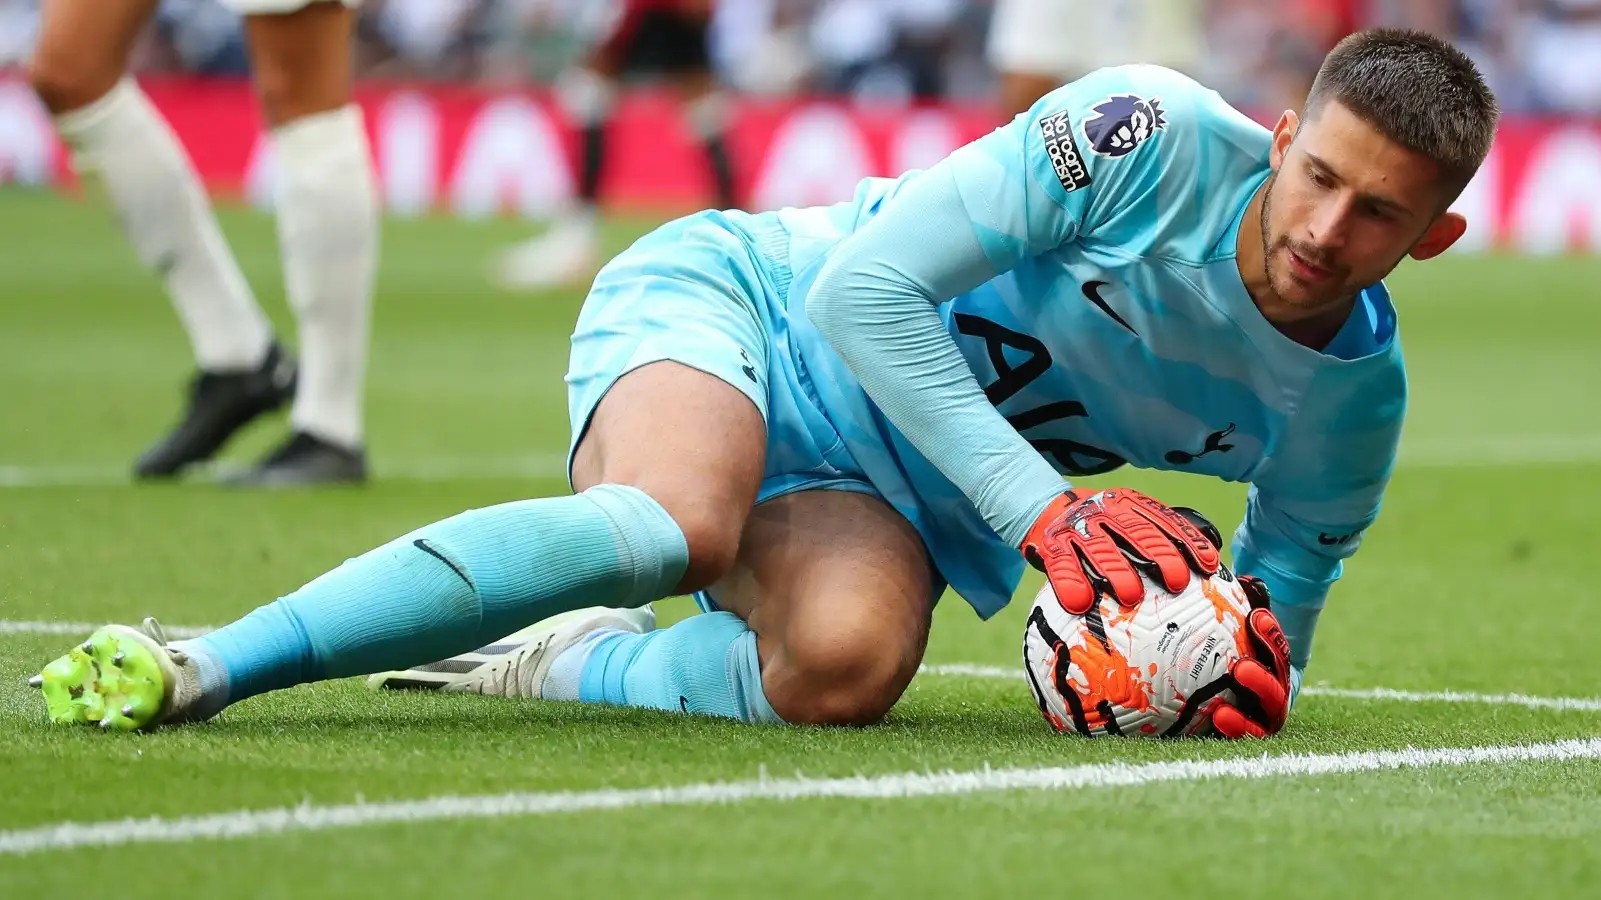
x=449 y=587
x=705 y=664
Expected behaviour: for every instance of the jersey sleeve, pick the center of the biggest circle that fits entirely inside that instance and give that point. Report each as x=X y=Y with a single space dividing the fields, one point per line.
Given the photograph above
x=1081 y=155
x=1308 y=511
x=1085 y=157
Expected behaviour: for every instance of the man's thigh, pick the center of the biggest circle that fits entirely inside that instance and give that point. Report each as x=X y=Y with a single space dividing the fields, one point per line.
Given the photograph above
x=667 y=385
x=82 y=49
x=840 y=592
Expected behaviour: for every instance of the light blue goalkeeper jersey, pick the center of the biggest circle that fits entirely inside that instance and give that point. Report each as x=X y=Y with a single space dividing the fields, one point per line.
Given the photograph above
x=1061 y=297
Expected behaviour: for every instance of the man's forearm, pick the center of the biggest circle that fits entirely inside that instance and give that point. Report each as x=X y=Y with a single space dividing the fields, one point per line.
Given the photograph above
x=875 y=302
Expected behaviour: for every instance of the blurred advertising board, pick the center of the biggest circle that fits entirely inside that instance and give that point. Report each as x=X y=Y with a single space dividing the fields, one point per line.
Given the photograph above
x=472 y=152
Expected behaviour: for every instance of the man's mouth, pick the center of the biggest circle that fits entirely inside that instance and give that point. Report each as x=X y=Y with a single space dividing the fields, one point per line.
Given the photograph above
x=1306 y=270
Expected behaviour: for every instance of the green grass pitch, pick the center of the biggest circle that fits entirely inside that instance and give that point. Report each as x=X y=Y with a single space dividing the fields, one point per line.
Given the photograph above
x=1479 y=577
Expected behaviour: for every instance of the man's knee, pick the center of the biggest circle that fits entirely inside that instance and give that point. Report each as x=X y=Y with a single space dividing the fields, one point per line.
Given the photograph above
x=287 y=95
x=712 y=536
x=300 y=61
x=65 y=84
x=841 y=677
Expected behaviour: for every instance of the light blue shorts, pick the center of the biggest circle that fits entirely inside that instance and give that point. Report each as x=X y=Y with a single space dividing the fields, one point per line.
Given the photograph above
x=709 y=291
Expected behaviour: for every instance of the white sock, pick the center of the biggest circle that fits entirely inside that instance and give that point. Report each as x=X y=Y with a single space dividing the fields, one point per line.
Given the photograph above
x=168 y=219
x=561 y=679
x=583 y=217
x=328 y=231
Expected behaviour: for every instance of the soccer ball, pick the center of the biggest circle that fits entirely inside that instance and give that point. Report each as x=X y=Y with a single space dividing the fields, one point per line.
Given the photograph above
x=1158 y=670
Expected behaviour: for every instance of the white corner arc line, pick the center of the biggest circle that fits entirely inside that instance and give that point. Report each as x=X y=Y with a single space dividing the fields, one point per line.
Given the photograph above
x=251 y=823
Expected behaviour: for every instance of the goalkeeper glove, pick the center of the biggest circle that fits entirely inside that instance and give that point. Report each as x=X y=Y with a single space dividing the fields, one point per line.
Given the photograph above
x=1261 y=680
x=1089 y=544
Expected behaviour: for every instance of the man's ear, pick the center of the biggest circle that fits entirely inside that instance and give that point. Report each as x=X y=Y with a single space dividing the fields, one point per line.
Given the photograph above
x=1283 y=135
x=1442 y=233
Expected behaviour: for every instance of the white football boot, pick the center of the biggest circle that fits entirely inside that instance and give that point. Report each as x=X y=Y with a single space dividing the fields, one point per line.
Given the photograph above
x=514 y=666
x=563 y=256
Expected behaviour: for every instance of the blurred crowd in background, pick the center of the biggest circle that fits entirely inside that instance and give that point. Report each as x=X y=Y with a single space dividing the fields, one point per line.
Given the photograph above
x=1541 y=55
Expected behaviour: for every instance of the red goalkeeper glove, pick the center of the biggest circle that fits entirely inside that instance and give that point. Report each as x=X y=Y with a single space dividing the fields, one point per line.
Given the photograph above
x=1261 y=680
x=1093 y=542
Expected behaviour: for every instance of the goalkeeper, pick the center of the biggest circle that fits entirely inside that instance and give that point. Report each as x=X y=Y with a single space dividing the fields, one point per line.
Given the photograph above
x=817 y=419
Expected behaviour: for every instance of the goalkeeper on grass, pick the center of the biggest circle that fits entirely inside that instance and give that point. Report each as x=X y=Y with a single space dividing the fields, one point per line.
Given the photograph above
x=817 y=419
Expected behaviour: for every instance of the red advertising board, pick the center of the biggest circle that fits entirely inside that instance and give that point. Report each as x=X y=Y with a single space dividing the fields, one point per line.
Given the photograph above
x=475 y=152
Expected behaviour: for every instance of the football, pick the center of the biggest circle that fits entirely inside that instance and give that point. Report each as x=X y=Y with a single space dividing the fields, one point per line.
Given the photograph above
x=1157 y=670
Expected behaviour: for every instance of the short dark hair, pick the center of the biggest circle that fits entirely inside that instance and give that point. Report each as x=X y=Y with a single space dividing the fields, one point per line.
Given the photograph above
x=1418 y=91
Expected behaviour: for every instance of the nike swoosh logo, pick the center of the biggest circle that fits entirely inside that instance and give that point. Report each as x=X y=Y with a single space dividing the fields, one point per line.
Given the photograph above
x=1092 y=293
x=423 y=545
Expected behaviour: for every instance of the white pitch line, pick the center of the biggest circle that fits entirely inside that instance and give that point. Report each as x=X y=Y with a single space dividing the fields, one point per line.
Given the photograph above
x=1491 y=451
x=1566 y=704
x=541 y=465
x=972 y=670
x=999 y=673
x=251 y=823
x=1469 y=452
x=84 y=629
x=62 y=476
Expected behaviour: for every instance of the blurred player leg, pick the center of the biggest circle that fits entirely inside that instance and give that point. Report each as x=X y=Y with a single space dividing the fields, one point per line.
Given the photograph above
x=666 y=37
x=707 y=108
x=1038 y=45
x=1031 y=45
x=680 y=47
x=565 y=254
x=115 y=133
x=327 y=210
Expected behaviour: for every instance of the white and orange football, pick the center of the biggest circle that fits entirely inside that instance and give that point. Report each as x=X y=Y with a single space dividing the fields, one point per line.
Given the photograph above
x=1157 y=670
